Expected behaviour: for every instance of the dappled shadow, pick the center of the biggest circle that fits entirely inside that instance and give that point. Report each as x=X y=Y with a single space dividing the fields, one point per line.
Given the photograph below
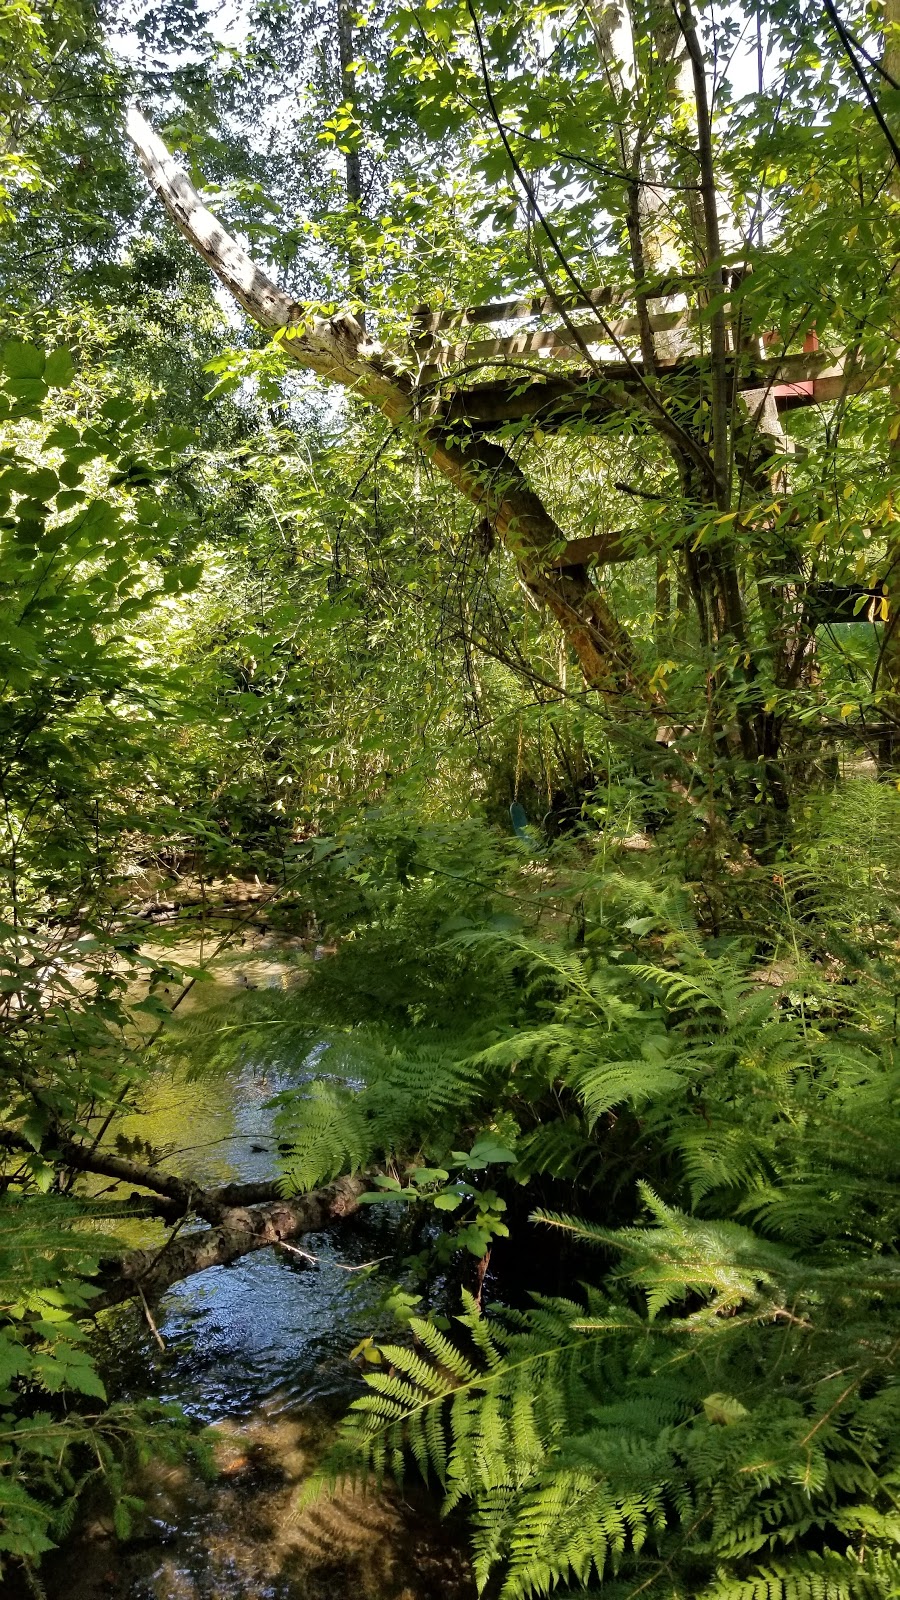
x=244 y=1536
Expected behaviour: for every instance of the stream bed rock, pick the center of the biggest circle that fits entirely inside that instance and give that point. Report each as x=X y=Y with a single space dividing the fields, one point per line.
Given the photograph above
x=244 y=1535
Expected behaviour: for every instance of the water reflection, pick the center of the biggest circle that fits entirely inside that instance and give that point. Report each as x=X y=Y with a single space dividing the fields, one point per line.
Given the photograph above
x=260 y=1350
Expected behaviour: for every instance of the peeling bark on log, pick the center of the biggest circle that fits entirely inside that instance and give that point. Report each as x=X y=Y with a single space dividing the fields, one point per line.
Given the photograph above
x=240 y=1231
x=244 y=1217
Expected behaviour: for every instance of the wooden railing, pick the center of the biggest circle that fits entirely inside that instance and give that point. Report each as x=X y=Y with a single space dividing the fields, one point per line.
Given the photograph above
x=806 y=378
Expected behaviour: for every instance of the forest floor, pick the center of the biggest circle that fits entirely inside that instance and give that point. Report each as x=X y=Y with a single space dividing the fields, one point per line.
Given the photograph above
x=242 y=1536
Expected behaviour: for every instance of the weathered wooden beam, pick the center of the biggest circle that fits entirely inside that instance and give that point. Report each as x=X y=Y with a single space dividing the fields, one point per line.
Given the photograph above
x=555 y=401
x=427 y=321
x=831 y=384
x=564 y=398
x=793 y=380
x=560 y=343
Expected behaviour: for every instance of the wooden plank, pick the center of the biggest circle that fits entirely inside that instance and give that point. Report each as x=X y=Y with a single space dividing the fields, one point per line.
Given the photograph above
x=831 y=376
x=558 y=343
x=805 y=368
x=833 y=386
x=518 y=344
x=427 y=321
x=556 y=400
x=785 y=373
x=806 y=380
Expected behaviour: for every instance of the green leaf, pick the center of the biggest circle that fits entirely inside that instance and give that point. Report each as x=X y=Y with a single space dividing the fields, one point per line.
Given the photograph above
x=488 y=1152
x=22 y=360
x=31 y=391
x=724 y=1409
x=61 y=436
x=59 y=368
x=41 y=485
x=34 y=1127
x=473 y=1238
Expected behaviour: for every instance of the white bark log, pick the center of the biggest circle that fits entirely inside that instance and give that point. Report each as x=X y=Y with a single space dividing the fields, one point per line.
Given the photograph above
x=337 y=348
x=334 y=347
x=266 y=303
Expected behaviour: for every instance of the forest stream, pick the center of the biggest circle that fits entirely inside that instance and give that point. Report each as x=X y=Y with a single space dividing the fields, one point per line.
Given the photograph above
x=259 y=1352
x=449 y=587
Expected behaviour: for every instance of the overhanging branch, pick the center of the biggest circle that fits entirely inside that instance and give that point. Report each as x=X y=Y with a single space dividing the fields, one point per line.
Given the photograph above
x=243 y=1217
x=240 y=1230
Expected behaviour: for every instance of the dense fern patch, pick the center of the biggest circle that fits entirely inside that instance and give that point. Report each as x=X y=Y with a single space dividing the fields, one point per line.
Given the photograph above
x=711 y=1409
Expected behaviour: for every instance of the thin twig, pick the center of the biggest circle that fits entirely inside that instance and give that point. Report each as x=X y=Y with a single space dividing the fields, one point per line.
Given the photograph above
x=341 y=1265
x=150 y=1323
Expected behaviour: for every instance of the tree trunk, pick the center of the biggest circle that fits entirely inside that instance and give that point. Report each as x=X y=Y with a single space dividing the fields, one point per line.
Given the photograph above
x=337 y=349
x=888 y=671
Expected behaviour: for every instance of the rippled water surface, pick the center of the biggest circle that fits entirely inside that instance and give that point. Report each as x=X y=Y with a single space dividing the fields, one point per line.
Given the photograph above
x=259 y=1350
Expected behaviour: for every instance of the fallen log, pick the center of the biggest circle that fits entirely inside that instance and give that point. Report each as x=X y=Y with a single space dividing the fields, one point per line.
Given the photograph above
x=149 y=1273
x=243 y=1217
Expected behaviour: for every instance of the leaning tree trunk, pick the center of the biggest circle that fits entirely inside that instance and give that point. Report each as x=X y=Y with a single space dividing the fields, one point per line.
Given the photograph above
x=337 y=348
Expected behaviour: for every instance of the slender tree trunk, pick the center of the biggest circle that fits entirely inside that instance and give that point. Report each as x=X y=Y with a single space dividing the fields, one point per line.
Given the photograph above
x=356 y=261
x=889 y=664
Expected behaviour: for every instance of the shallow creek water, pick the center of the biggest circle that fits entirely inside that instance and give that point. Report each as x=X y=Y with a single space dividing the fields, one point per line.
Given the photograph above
x=260 y=1351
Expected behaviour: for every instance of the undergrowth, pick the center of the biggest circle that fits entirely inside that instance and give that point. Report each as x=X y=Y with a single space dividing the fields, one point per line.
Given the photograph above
x=712 y=1408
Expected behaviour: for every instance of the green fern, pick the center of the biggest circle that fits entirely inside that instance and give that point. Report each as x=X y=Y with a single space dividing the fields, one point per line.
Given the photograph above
x=60 y=1435
x=741 y=1434
x=405 y=1093
x=716 y=1413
